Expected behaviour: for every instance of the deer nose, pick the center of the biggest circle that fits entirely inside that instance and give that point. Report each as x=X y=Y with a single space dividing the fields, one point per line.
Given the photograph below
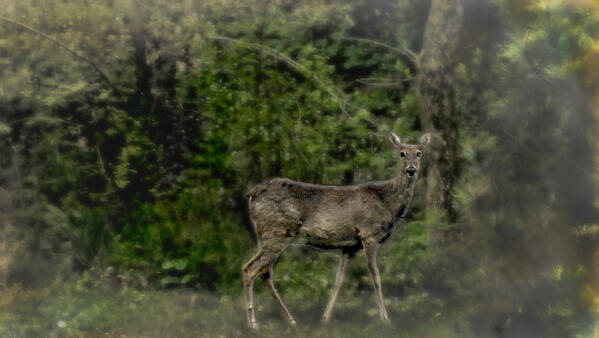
x=411 y=171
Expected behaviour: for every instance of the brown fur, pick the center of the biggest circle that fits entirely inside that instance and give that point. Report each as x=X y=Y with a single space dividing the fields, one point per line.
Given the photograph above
x=348 y=218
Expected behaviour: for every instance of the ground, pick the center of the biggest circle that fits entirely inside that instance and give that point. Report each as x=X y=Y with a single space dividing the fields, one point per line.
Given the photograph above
x=93 y=309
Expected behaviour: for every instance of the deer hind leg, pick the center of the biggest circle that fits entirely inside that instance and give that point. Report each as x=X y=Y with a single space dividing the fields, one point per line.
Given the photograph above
x=259 y=265
x=269 y=277
x=248 y=282
x=345 y=257
x=371 y=248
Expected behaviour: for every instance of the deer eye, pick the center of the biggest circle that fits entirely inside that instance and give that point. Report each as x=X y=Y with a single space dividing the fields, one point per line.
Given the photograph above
x=418 y=153
x=402 y=154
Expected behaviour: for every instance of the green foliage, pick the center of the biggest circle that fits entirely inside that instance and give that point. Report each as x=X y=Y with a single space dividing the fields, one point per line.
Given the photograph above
x=183 y=242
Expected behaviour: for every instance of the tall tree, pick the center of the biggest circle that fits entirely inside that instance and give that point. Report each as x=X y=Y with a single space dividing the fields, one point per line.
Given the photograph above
x=437 y=61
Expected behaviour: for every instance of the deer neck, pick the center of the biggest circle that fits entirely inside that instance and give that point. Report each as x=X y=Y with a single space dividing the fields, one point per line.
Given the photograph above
x=402 y=192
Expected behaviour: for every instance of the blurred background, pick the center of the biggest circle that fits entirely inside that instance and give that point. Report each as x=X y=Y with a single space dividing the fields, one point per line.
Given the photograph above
x=130 y=131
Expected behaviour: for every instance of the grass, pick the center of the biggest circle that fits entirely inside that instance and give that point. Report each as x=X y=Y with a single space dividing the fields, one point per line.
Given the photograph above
x=100 y=304
x=100 y=309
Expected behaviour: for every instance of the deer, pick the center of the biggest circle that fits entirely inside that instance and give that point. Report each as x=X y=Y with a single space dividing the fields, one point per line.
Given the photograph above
x=327 y=217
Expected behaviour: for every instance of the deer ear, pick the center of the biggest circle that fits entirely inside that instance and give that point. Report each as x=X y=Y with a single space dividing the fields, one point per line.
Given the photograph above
x=394 y=139
x=425 y=139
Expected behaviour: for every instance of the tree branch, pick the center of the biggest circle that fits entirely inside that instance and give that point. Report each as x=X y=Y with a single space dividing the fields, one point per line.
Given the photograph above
x=402 y=50
x=333 y=90
x=382 y=82
x=65 y=47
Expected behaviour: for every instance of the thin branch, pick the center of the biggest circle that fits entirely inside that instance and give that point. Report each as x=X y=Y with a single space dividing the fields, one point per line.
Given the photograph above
x=48 y=118
x=101 y=162
x=65 y=47
x=334 y=91
x=402 y=50
x=382 y=82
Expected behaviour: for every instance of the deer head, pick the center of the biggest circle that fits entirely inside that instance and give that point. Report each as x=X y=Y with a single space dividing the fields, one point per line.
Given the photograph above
x=410 y=154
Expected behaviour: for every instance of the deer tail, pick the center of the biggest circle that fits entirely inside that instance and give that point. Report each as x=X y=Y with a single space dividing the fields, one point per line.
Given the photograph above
x=254 y=192
x=257 y=190
x=251 y=194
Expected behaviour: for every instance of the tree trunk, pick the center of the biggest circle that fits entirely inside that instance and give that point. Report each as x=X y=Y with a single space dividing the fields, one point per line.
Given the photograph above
x=594 y=106
x=437 y=62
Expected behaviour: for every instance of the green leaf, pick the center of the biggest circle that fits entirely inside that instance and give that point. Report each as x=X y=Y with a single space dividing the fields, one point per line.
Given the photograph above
x=175 y=264
x=170 y=281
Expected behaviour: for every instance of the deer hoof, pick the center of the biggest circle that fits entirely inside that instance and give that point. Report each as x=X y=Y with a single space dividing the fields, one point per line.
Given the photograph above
x=254 y=325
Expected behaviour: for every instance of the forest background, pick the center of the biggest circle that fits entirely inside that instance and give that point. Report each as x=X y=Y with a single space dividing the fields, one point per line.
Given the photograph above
x=130 y=131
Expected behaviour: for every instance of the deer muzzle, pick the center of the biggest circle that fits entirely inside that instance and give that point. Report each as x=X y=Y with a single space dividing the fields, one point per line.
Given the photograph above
x=411 y=171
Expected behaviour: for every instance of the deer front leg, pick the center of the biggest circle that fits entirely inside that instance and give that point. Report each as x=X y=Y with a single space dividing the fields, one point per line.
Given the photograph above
x=371 y=247
x=345 y=257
